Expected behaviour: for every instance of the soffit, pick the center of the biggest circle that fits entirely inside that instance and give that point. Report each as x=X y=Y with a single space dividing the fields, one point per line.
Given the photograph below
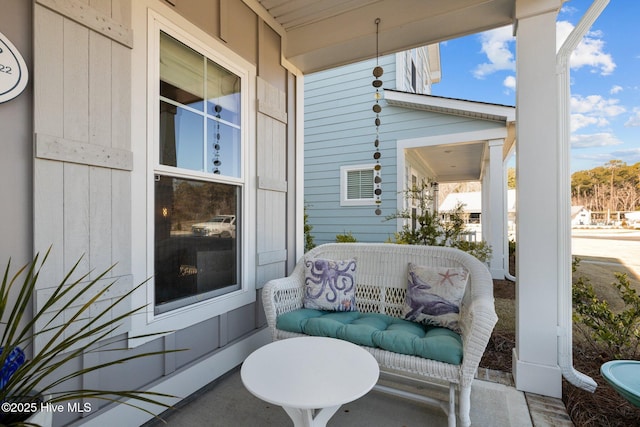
x=328 y=33
x=454 y=162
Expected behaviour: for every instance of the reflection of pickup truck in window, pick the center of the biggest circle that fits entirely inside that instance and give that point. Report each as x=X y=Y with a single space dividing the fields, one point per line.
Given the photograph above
x=220 y=226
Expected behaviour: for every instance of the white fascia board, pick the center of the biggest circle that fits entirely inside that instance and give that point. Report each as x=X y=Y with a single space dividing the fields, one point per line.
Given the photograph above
x=497 y=112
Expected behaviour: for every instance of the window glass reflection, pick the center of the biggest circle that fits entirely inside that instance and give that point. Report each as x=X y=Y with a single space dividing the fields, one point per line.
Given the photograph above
x=223 y=154
x=194 y=134
x=181 y=134
x=181 y=72
x=196 y=235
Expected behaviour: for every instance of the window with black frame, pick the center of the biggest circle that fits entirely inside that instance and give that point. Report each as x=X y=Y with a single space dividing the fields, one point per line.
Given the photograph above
x=197 y=178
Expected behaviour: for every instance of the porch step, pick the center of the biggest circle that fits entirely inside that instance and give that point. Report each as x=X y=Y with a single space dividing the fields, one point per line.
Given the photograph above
x=547 y=411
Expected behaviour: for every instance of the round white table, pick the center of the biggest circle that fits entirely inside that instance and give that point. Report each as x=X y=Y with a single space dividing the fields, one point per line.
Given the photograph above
x=310 y=377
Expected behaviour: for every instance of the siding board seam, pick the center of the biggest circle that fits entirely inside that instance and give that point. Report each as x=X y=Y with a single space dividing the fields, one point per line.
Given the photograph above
x=55 y=148
x=91 y=18
x=271 y=101
x=272 y=257
x=271 y=184
x=271 y=111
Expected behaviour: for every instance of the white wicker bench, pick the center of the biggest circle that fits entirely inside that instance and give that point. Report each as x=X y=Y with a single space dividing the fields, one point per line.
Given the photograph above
x=381 y=288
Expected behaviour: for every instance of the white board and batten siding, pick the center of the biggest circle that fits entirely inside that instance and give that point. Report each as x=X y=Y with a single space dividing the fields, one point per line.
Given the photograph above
x=82 y=126
x=271 y=167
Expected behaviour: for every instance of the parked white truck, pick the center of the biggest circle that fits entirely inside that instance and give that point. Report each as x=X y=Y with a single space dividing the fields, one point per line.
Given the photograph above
x=218 y=226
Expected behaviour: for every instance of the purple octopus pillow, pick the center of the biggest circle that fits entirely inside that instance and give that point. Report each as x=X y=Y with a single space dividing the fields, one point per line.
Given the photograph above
x=434 y=295
x=330 y=284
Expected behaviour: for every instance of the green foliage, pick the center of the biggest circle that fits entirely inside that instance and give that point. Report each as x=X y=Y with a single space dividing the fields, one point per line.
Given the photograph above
x=431 y=230
x=511 y=178
x=614 y=186
x=345 y=238
x=618 y=333
x=308 y=237
x=481 y=250
x=71 y=327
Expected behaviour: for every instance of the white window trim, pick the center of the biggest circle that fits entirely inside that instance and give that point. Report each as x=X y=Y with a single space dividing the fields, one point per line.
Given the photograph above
x=344 y=170
x=147 y=58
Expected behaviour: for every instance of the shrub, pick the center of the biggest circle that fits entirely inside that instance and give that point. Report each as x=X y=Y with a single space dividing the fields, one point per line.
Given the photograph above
x=345 y=238
x=431 y=229
x=481 y=250
x=308 y=237
x=618 y=333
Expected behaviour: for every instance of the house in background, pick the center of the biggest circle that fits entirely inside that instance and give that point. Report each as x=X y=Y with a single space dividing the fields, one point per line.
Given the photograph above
x=580 y=216
x=422 y=138
x=112 y=151
x=471 y=202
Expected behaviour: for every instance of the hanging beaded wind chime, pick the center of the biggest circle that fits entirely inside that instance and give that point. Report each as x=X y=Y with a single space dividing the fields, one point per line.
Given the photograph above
x=377 y=83
x=216 y=144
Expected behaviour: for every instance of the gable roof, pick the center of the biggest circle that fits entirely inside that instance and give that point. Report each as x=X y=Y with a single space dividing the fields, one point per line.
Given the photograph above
x=454 y=106
x=458 y=162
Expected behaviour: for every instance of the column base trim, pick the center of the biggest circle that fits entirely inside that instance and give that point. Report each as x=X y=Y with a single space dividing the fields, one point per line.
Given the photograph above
x=545 y=380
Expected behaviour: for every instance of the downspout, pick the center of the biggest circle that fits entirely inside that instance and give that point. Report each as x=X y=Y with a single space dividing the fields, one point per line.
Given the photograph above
x=565 y=333
x=507 y=274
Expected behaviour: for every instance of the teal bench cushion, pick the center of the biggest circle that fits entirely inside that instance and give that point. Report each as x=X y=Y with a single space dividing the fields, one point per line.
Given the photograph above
x=377 y=330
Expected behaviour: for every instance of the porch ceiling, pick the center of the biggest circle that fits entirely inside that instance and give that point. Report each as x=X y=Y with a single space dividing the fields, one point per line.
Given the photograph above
x=454 y=162
x=330 y=33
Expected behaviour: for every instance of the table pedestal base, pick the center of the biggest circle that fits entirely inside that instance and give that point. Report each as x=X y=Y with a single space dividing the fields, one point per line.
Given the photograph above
x=311 y=417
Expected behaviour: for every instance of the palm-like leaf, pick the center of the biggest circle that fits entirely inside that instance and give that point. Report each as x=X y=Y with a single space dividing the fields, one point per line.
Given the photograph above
x=40 y=374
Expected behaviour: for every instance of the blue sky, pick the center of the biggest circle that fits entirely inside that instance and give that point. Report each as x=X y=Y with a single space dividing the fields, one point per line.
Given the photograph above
x=605 y=79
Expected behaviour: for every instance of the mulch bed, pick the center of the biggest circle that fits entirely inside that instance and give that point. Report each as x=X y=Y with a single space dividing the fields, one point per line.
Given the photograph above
x=604 y=408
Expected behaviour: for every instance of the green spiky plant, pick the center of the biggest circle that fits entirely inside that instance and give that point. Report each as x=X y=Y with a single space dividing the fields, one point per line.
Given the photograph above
x=40 y=375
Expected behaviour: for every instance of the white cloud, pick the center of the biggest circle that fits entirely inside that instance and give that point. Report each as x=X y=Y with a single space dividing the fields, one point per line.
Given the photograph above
x=496 y=44
x=634 y=120
x=590 y=51
x=596 y=104
x=510 y=82
x=603 y=139
x=629 y=156
x=570 y=10
x=615 y=89
x=579 y=121
x=595 y=159
x=593 y=110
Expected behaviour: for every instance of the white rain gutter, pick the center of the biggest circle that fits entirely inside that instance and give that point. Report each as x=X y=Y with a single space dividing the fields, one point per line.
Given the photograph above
x=565 y=333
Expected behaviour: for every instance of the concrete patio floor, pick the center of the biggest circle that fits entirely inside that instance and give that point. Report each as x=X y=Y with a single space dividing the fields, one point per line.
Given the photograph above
x=494 y=403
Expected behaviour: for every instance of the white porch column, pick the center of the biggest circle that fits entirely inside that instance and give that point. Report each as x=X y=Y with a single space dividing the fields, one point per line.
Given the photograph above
x=535 y=358
x=494 y=214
